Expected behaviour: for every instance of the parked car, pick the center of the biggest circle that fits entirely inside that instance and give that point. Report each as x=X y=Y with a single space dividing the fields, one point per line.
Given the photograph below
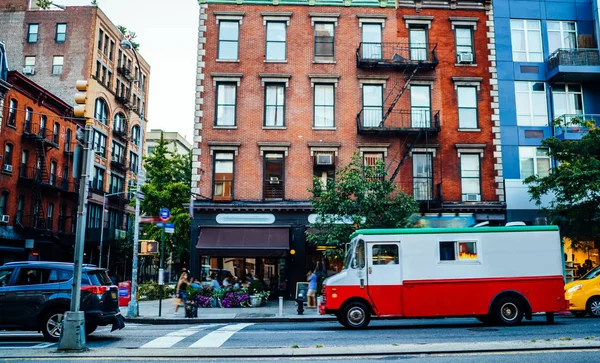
x=584 y=294
x=34 y=295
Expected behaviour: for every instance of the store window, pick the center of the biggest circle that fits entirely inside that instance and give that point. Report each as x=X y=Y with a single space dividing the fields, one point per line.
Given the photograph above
x=458 y=251
x=274 y=182
x=223 y=176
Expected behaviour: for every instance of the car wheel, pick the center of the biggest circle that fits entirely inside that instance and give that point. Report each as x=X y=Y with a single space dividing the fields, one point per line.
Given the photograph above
x=90 y=328
x=508 y=311
x=51 y=324
x=579 y=314
x=593 y=307
x=356 y=316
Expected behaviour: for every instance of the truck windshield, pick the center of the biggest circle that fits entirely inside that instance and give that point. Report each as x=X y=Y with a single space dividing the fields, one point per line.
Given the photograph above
x=359 y=255
x=349 y=253
x=592 y=274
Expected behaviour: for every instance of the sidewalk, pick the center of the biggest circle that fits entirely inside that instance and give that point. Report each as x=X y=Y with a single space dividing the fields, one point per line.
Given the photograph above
x=267 y=313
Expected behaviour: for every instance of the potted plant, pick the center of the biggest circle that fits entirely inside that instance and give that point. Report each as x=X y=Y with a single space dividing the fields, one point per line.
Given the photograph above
x=191 y=302
x=218 y=296
x=204 y=296
x=233 y=298
x=256 y=290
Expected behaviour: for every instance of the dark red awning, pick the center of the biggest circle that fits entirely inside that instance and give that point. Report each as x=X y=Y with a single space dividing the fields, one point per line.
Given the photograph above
x=243 y=242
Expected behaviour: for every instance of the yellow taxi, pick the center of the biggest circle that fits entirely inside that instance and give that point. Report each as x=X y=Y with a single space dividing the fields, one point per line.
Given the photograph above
x=584 y=294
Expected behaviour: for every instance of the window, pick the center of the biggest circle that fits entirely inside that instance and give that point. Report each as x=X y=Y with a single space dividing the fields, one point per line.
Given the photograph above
x=276 y=36
x=61 y=32
x=43 y=119
x=358 y=261
x=98 y=69
x=105 y=49
x=119 y=122
x=65 y=177
x=32 y=33
x=223 y=177
x=531 y=105
x=370 y=161
x=98 y=181
x=56 y=133
x=324 y=105
x=114 y=219
x=100 y=37
x=561 y=34
x=101 y=111
x=133 y=162
x=111 y=50
x=57 y=65
x=526 y=40
x=12 y=112
x=5 y=275
x=3 y=202
x=24 y=158
x=117 y=183
x=464 y=43
x=420 y=106
x=229 y=32
x=385 y=255
x=371 y=41
x=418 y=43
x=273 y=182
x=28 y=113
x=103 y=75
x=567 y=99
x=470 y=178
x=8 y=154
x=33 y=276
x=534 y=161
x=94 y=215
x=151 y=150
x=422 y=177
x=68 y=140
x=324 y=167
x=458 y=251
x=372 y=107
x=324 y=41
x=100 y=143
x=118 y=153
x=135 y=135
x=275 y=104
x=226 y=104
x=20 y=207
x=29 y=65
x=50 y=219
x=109 y=79
x=467 y=107
x=53 y=167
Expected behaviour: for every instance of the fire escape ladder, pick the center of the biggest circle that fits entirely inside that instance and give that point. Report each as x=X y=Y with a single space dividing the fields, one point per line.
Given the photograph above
x=406 y=154
x=397 y=98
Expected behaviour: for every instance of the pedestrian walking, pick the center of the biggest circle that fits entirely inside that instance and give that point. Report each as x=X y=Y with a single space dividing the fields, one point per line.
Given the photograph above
x=182 y=285
x=312 y=290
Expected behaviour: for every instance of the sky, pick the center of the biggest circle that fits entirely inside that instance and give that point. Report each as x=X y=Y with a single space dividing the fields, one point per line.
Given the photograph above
x=168 y=36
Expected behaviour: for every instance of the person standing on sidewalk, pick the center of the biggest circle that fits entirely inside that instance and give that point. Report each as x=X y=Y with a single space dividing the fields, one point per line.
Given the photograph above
x=182 y=285
x=312 y=290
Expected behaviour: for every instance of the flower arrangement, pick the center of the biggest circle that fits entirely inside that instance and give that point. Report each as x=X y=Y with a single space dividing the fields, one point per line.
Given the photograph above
x=235 y=298
x=204 y=301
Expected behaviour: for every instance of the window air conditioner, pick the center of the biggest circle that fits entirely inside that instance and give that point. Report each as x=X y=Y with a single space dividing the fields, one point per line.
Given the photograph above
x=29 y=70
x=7 y=168
x=465 y=57
x=324 y=159
x=471 y=197
x=5 y=218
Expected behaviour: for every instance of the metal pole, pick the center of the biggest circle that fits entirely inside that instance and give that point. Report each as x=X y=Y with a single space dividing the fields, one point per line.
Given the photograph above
x=161 y=270
x=73 y=334
x=102 y=229
x=133 y=307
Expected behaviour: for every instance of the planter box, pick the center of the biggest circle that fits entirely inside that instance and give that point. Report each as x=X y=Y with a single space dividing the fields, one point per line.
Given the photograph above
x=191 y=310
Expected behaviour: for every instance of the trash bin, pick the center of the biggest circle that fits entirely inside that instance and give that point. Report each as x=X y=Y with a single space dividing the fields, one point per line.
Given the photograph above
x=124 y=293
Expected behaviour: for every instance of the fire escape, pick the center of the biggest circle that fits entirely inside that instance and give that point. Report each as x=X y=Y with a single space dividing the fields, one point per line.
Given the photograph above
x=412 y=125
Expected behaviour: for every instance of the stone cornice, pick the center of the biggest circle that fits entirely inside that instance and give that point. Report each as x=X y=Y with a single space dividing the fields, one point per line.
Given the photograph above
x=414 y=4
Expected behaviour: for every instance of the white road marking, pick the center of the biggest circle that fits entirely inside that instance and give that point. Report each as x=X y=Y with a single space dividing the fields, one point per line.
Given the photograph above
x=175 y=337
x=218 y=337
x=43 y=345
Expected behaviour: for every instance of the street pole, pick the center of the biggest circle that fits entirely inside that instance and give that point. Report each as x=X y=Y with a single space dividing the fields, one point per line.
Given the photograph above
x=73 y=333
x=133 y=306
x=102 y=229
x=161 y=270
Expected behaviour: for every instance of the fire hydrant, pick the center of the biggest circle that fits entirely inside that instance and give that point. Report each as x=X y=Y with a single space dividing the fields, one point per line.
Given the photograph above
x=300 y=302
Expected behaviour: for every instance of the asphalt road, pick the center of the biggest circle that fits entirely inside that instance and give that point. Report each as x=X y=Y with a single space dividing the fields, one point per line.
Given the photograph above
x=158 y=340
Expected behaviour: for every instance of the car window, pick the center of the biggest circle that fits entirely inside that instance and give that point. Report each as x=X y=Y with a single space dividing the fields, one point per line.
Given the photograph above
x=99 y=277
x=33 y=276
x=5 y=276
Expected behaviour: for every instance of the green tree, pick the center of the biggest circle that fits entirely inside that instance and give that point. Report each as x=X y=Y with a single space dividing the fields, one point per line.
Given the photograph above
x=574 y=182
x=44 y=4
x=168 y=180
x=359 y=197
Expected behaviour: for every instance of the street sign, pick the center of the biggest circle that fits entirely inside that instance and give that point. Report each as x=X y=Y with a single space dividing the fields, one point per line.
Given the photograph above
x=169 y=230
x=167 y=225
x=164 y=214
x=149 y=219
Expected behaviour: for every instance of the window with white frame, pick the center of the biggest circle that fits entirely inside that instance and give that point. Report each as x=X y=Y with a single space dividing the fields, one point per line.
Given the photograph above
x=470 y=177
x=534 y=161
x=29 y=65
x=422 y=176
x=229 y=35
x=61 y=33
x=324 y=102
x=467 y=107
x=100 y=143
x=530 y=98
x=226 y=104
x=420 y=106
x=561 y=34
x=372 y=108
x=417 y=36
x=275 y=104
x=526 y=37
x=464 y=44
x=324 y=41
x=57 y=65
x=567 y=99
x=371 y=41
x=276 y=40
x=223 y=176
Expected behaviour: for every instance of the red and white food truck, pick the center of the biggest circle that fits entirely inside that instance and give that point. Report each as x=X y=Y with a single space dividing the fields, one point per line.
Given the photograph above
x=497 y=274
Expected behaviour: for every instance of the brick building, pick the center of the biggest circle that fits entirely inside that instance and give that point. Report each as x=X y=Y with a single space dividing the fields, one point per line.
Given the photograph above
x=56 y=47
x=292 y=91
x=38 y=194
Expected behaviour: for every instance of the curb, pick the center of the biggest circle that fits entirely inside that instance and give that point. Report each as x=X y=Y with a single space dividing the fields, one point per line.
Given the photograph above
x=174 y=321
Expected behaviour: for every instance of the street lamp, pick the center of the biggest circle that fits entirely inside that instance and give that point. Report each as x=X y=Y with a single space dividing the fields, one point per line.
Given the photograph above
x=133 y=307
x=102 y=223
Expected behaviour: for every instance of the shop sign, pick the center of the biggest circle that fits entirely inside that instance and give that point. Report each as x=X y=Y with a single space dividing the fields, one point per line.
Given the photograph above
x=245 y=218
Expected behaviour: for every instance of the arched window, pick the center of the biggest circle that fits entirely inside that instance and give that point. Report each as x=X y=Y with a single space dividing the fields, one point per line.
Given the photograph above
x=101 y=111
x=119 y=122
x=12 y=112
x=135 y=135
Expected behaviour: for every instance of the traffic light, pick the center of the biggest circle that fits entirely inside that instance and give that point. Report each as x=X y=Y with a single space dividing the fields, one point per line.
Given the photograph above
x=80 y=98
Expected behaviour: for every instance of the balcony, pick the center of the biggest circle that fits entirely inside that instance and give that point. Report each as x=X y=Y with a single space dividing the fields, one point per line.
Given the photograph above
x=124 y=100
x=574 y=65
x=369 y=121
x=37 y=223
x=427 y=193
x=125 y=72
x=396 y=55
x=118 y=161
x=34 y=132
x=120 y=133
x=571 y=127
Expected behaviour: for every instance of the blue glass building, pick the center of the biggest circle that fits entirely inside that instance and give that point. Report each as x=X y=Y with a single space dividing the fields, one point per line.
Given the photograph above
x=548 y=68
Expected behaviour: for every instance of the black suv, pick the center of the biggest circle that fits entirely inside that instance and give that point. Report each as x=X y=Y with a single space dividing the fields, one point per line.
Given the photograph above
x=34 y=296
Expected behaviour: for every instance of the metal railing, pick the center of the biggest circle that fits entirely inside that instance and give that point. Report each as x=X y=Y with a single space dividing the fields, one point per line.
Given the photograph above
x=118 y=161
x=423 y=189
x=396 y=54
x=34 y=131
x=574 y=125
x=47 y=179
x=273 y=190
x=574 y=57
x=370 y=120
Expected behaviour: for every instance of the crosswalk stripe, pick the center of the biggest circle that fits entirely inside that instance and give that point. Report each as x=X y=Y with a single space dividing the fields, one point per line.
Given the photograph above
x=218 y=337
x=175 y=337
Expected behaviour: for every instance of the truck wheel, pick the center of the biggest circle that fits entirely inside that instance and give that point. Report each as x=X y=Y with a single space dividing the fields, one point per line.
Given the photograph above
x=593 y=307
x=90 y=328
x=51 y=324
x=579 y=314
x=508 y=311
x=340 y=319
x=356 y=316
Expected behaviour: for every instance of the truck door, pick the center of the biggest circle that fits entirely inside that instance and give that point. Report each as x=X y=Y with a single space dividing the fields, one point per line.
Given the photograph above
x=384 y=280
